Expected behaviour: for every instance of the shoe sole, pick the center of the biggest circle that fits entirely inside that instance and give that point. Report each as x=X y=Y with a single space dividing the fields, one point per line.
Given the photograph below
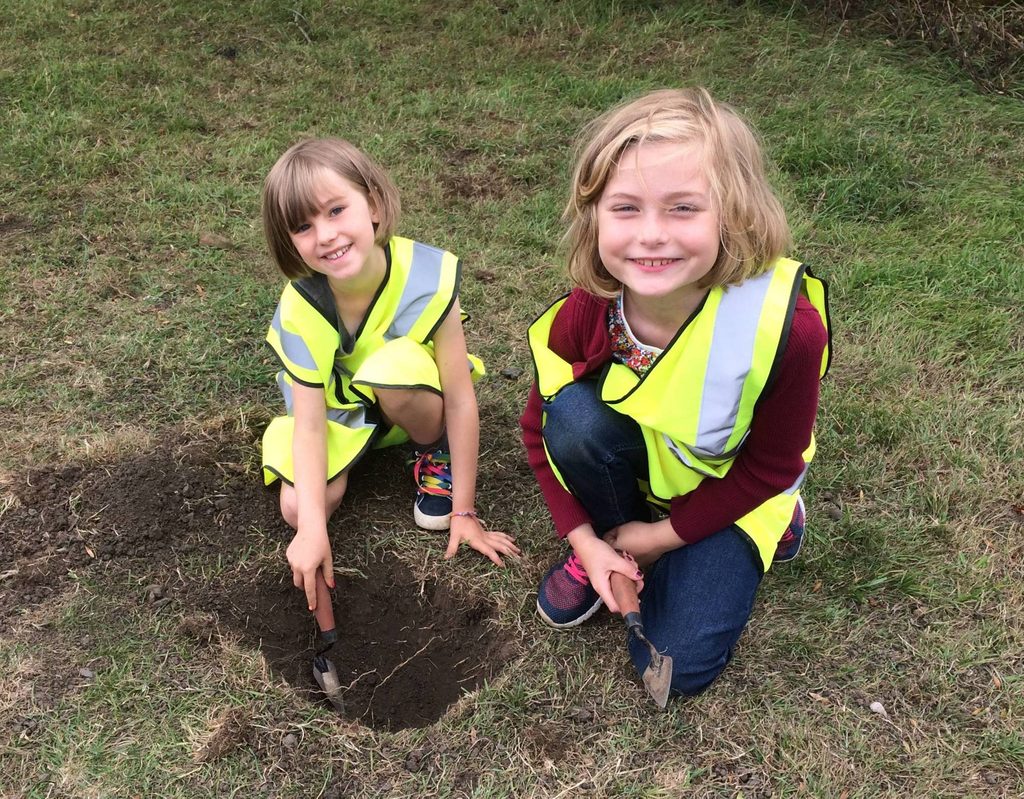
x=569 y=624
x=435 y=523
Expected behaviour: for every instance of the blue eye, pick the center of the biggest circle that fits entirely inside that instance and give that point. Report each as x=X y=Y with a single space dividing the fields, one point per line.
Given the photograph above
x=337 y=210
x=301 y=228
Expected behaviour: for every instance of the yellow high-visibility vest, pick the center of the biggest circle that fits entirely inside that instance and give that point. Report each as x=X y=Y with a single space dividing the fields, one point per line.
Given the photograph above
x=419 y=288
x=695 y=404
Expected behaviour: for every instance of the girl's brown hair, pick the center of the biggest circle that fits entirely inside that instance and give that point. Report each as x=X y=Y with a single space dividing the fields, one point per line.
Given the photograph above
x=289 y=194
x=754 y=227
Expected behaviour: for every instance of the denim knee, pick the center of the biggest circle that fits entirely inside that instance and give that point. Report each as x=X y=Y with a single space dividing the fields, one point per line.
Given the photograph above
x=693 y=675
x=580 y=430
x=695 y=605
x=565 y=424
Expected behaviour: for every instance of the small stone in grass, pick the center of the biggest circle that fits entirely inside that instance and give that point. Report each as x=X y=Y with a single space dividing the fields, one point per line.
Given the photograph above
x=214 y=240
x=879 y=708
x=582 y=715
x=290 y=741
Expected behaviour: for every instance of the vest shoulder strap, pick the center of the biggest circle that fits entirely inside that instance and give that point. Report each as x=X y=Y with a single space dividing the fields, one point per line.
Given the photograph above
x=552 y=372
x=303 y=337
x=432 y=277
x=316 y=291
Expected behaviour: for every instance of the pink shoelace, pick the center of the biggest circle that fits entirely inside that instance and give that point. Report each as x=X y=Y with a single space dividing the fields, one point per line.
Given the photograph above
x=575 y=570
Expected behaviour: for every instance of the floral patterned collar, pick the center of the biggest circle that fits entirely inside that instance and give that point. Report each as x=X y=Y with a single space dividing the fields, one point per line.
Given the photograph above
x=626 y=349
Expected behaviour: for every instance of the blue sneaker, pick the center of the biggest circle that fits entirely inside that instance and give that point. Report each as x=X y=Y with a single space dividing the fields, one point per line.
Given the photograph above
x=793 y=538
x=566 y=597
x=432 y=473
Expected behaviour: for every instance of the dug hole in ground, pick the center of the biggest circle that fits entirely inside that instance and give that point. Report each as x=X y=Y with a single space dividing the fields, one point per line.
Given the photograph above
x=160 y=523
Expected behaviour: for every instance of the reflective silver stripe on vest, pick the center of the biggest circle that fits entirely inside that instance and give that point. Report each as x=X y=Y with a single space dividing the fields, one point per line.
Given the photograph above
x=799 y=481
x=729 y=362
x=286 y=391
x=351 y=418
x=697 y=466
x=421 y=285
x=684 y=459
x=295 y=349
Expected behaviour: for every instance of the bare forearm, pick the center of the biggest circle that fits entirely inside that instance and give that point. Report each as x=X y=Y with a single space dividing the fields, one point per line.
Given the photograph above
x=309 y=456
x=463 y=422
x=646 y=542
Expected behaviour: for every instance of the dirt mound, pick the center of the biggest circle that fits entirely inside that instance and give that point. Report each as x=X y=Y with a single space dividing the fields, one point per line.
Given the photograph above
x=407 y=647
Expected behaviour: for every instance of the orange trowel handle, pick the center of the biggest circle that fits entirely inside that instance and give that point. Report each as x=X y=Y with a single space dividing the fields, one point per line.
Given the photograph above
x=324 y=604
x=624 y=591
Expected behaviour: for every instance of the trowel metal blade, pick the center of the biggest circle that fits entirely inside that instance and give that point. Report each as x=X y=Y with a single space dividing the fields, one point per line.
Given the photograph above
x=657 y=678
x=326 y=676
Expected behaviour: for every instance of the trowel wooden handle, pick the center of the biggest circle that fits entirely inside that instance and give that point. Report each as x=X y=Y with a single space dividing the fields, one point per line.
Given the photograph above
x=324 y=604
x=624 y=591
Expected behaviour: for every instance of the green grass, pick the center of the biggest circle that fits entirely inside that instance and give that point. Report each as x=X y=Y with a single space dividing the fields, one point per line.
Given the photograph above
x=131 y=131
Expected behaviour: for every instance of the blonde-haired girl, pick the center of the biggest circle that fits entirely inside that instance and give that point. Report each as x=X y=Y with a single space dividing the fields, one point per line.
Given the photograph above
x=681 y=375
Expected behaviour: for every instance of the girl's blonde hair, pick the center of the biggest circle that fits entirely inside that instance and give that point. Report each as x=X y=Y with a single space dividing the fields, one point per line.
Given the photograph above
x=289 y=194
x=754 y=227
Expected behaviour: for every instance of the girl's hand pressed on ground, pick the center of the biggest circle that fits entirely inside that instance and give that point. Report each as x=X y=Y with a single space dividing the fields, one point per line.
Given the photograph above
x=600 y=560
x=309 y=552
x=487 y=542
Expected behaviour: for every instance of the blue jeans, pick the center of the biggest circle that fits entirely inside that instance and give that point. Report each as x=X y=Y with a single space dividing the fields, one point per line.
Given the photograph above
x=696 y=599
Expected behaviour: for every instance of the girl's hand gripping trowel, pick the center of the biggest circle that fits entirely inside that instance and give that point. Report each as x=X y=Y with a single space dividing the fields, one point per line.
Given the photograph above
x=324 y=673
x=657 y=677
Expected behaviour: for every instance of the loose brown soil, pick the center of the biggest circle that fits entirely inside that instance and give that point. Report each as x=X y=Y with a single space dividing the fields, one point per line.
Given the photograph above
x=408 y=647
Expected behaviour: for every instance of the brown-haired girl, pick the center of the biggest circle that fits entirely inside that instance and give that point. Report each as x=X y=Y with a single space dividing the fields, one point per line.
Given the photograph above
x=370 y=338
x=680 y=375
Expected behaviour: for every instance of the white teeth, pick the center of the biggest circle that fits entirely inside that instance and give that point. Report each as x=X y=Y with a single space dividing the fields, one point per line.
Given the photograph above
x=334 y=256
x=654 y=261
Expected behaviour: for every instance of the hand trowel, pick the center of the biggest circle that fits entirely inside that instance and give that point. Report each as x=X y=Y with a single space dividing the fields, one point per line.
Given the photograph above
x=324 y=672
x=657 y=677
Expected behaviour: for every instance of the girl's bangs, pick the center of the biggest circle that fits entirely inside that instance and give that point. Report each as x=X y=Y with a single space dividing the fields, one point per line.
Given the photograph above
x=297 y=200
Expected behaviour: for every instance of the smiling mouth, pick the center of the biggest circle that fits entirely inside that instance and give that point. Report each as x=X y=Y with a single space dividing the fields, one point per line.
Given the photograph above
x=334 y=256
x=653 y=263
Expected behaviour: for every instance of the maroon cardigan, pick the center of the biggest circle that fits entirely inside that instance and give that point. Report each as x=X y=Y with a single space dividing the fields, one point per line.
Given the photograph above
x=770 y=460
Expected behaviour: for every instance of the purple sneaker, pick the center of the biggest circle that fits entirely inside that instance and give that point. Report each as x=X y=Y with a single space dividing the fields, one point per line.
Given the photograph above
x=566 y=597
x=793 y=538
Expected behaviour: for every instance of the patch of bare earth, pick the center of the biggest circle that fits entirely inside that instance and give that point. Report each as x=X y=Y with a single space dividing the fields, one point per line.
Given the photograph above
x=408 y=647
